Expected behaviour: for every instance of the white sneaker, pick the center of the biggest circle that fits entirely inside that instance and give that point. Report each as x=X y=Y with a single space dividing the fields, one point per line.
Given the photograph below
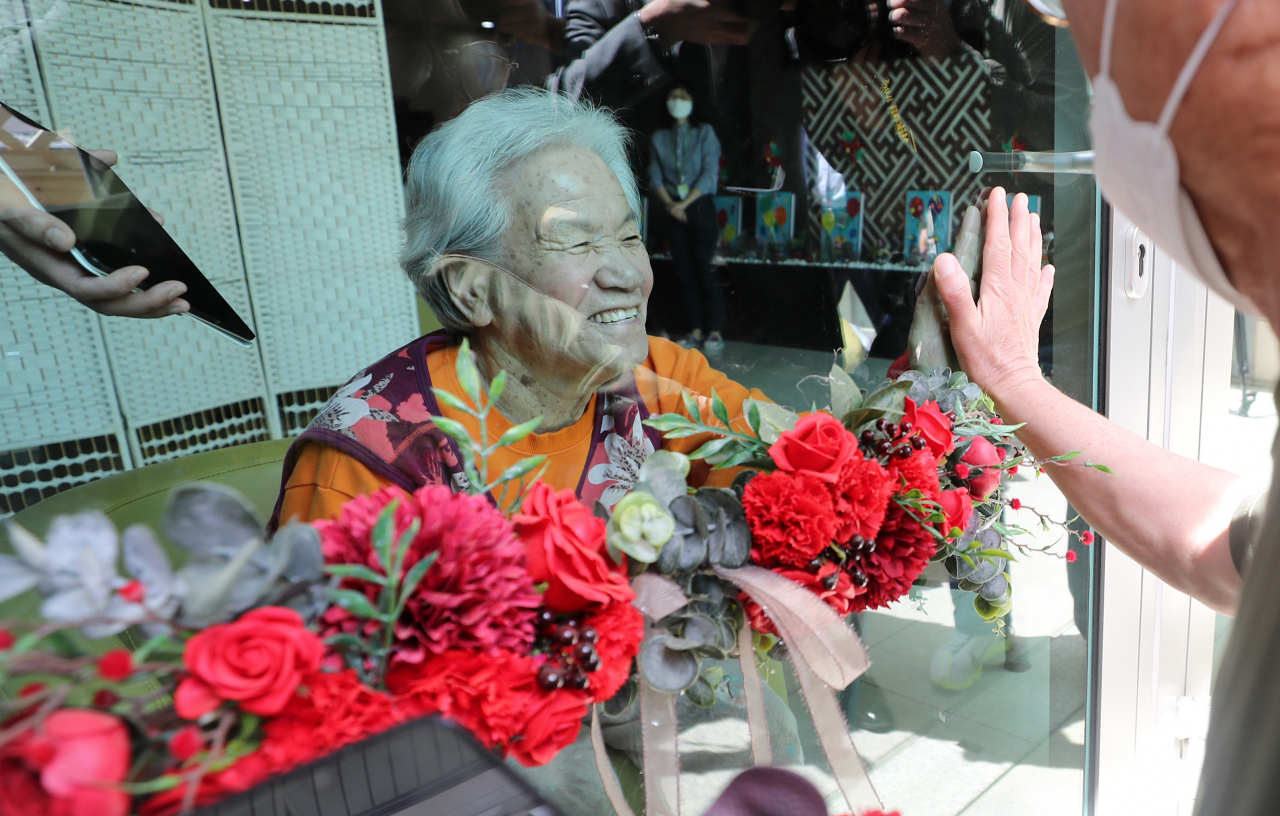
x=958 y=663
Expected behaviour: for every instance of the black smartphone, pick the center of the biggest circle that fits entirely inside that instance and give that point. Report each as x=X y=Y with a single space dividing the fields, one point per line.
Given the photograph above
x=428 y=767
x=113 y=229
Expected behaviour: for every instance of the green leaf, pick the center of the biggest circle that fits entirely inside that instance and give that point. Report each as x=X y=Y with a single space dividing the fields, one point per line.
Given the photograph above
x=738 y=457
x=701 y=693
x=415 y=576
x=384 y=534
x=681 y=433
x=144 y=651
x=402 y=546
x=711 y=448
x=355 y=603
x=856 y=419
x=496 y=387
x=1097 y=466
x=517 y=432
x=454 y=402
x=345 y=641
x=892 y=398
x=1005 y=554
x=356 y=571
x=691 y=405
x=753 y=417
x=468 y=374
x=456 y=431
x=1066 y=457
x=668 y=422
x=522 y=468
x=718 y=408
x=774 y=420
x=846 y=396
x=160 y=783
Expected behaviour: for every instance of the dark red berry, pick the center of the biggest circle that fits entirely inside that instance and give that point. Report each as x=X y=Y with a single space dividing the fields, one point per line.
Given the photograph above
x=583 y=652
x=831 y=581
x=902 y=451
x=588 y=634
x=550 y=676
x=566 y=635
x=816 y=564
x=867 y=438
x=857 y=541
x=869 y=546
x=881 y=424
x=918 y=443
x=577 y=680
x=576 y=622
x=906 y=428
x=592 y=663
x=105 y=698
x=892 y=430
x=858 y=577
x=884 y=449
x=545 y=622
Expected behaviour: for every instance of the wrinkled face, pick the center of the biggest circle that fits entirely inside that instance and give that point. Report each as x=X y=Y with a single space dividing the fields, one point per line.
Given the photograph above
x=574 y=238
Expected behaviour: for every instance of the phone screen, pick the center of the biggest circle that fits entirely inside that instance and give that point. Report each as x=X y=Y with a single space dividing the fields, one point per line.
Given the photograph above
x=113 y=229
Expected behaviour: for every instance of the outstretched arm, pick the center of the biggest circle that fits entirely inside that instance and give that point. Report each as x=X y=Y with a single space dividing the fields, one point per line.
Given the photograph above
x=1170 y=513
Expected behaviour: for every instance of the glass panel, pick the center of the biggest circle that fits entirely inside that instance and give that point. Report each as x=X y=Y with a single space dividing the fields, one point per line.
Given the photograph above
x=272 y=135
x=1249 y=424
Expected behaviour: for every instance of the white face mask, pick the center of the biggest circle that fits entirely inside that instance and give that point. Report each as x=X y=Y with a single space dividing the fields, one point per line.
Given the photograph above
x=679 y=108
x=1137 y=167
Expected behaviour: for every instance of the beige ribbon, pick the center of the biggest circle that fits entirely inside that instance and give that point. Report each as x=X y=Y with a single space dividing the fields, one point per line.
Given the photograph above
x=660 y=735
x=757 y=722
x=604 y=767
x=827 y=655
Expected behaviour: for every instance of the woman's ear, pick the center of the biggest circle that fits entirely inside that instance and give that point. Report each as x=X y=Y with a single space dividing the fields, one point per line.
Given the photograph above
x=469 y=282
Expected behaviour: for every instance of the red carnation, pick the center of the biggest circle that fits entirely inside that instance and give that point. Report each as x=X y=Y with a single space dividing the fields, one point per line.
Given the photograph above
x=66 y=766
x=478 y=595
x=933 y=425
x=496 y=698
x=903 y=549
x=621 y=629
x=840 y=598
x=861 y=497
x=791 y=516
x=565 y=543
x=919 y=472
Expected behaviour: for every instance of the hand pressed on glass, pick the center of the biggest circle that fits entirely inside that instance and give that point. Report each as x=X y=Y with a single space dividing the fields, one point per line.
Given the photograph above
x=997 y=339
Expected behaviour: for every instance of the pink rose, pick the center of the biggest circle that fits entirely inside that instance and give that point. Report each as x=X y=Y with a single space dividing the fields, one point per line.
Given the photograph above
x=983 y=454
x=68 y=765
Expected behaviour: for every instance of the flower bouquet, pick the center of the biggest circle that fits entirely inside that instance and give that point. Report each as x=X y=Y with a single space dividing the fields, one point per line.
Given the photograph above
x=162 y=690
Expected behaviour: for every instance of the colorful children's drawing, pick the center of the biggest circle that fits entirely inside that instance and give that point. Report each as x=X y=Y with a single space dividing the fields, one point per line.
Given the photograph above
x=928 y=229
x=774 y=222
x=729 y=219
x=842 y=228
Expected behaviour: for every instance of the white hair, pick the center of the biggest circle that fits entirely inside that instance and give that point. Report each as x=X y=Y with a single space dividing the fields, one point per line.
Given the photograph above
x=455 y=204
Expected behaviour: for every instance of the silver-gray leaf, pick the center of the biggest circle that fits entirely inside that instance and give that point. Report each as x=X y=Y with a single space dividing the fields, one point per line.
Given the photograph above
x=210 y=520
x=72 y=538
x=669 y=670
x=146 y=560
x=15 y=577
x=297 y=546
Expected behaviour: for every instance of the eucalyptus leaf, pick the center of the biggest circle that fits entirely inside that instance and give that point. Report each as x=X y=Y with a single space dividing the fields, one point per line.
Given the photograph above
x=665 y=668
x=983 y=572
x=711 y=447
x=664 y=485
x=455 y=402
x=700 y=629
x=15 y=578
x=845 y=394
x=701 y=693
x=620 y=702
x=958 y=567
x=892 y=398
x=636 y=549
x=774 y=420
x=517 y=432
x=692 y=553
x=297 y=547
x=665 y=460
x=996 y=590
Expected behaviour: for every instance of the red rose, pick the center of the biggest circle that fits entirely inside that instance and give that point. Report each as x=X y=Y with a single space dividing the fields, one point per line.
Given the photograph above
x=958 y=508
x=553 y=724
x=791 y=516
x=564 y=542
x=256 y=661
x=818 y=447
x=66 y=766
x=933 y=425
x=861 y=497
x=620 y=629
x=839 y=598
x=983 y=454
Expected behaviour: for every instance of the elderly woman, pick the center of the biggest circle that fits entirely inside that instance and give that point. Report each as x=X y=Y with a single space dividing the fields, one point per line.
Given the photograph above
x=522 y=235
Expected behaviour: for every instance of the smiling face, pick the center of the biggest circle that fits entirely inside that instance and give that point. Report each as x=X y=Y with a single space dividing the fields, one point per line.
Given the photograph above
x=574 y=238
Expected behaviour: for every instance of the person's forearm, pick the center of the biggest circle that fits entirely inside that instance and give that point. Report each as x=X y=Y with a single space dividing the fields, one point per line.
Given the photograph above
x=694 y=195
x=663 y=195
x=1169 y=513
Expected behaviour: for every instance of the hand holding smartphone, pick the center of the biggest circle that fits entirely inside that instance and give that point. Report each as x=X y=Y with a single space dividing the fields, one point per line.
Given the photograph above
x=63 y=210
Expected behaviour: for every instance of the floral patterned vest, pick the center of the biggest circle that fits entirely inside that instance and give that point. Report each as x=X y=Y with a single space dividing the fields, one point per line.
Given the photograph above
x=383 y=418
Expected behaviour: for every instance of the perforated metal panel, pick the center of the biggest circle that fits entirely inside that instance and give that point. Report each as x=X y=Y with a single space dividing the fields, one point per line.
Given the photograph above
x=28 y=475
x=135 y=77
x=298 y=408
x=310 y=136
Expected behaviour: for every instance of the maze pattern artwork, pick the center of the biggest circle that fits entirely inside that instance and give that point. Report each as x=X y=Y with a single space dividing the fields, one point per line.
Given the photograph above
x=945 y=107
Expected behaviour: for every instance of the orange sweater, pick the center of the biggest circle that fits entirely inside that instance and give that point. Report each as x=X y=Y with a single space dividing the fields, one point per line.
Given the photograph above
x=324 y=478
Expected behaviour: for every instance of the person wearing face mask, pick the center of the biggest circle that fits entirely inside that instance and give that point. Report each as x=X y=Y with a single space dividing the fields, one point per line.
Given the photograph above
x=683 y=166
x=1185 y=117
